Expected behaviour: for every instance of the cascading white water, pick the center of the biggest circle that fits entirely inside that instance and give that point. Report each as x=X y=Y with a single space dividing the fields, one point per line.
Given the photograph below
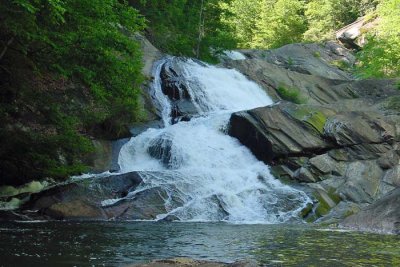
x=207 y=174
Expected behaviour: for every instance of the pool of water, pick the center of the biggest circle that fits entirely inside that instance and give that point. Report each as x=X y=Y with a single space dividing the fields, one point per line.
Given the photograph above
x=117 y=244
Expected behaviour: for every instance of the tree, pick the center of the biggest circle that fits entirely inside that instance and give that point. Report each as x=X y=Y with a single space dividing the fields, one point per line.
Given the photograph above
x=244 y=16
x=381 y=56
x=188 y=27
x=281 y=22
x=45 y=45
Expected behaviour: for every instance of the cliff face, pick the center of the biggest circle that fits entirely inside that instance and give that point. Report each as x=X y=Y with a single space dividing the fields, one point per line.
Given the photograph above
x=341 y=138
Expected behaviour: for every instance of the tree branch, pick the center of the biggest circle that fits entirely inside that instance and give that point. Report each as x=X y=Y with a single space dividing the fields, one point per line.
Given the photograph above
x=9 y=42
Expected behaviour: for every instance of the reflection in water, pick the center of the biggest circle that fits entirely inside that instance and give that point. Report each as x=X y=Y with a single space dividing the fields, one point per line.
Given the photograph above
x=113 y=244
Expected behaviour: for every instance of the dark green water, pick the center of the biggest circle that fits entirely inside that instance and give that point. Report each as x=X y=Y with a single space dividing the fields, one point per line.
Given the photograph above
x=116 y=244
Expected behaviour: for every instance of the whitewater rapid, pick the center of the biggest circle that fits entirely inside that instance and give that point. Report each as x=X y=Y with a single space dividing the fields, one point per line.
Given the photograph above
x=208 y=175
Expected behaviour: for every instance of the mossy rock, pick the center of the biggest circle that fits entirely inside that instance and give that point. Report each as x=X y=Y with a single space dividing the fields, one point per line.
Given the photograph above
x=312 y=117
x=306 y=210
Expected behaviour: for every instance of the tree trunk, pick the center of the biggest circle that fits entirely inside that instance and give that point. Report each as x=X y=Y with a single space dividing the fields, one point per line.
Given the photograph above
x=201 y=29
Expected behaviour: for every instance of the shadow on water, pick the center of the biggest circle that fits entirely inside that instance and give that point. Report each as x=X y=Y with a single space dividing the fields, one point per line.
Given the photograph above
x=116 y=244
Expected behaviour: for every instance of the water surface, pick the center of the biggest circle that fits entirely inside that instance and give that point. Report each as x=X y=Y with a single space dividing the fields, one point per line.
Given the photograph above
x=117 y=244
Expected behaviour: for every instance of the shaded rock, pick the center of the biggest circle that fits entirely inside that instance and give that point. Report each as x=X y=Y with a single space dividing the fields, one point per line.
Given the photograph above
x=304 y=175
x=383 y=216
x=325 y=165
x=82 y=199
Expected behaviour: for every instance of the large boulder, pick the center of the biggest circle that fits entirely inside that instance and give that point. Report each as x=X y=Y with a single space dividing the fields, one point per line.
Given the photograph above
x=382 y=216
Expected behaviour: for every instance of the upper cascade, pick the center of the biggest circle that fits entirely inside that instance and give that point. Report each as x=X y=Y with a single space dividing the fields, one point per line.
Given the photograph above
x=204 y=174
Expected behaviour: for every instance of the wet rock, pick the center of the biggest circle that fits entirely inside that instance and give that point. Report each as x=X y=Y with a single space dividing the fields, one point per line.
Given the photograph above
x=173 y=85
x=144 y=205
x=383 y=216
x=160 y=148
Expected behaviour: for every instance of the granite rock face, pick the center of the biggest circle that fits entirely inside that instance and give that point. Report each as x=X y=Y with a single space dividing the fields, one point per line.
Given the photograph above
x=341 y=140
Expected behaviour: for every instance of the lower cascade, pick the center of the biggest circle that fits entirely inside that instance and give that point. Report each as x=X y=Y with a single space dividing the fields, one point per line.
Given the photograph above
x=204 y=174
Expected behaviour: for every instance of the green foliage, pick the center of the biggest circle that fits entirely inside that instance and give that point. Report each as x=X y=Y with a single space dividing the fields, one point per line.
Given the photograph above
x=282 y=24
x=47 y=44
x=381 y=55
x=326 y=16
x=273 y=23
x=290 y=94
x=178 y=27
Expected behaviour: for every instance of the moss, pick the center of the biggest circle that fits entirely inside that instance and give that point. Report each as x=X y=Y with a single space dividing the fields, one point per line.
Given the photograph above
x=317 y=54
x=290 y=61
x=290 y=94
x=393 y=103
x=323 y=207
x=13 y=204
x=312 y=117
x=306 y=210
x=341 y=64
x=334 y=196
x=32 y=187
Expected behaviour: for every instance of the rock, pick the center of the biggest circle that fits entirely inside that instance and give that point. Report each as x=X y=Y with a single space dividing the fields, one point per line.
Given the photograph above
x=144 y=205
x=392 y=177
x=82 y=199
x=362 y=182
x=304 y=175
x=388 y=160
x=383 y=216
x=175 y=86
x=150 y=54
x=274 y=132
x=160 y=148
x=353 y=35
x=310 y=59
x=342 y=210
x=172 y=82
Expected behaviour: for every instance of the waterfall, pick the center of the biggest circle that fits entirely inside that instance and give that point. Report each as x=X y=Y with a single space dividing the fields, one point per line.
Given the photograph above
x=206 y=174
